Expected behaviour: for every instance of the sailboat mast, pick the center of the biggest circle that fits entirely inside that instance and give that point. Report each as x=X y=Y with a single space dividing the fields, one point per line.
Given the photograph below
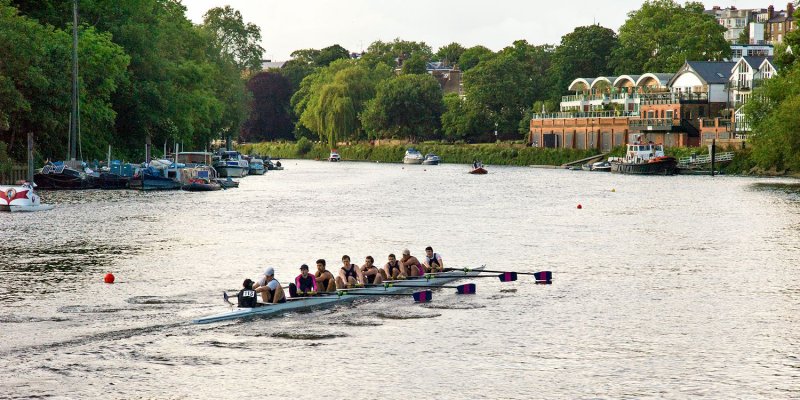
x=75 y=118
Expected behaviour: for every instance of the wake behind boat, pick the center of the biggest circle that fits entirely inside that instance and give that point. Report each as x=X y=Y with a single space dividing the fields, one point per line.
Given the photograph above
x=307 y=303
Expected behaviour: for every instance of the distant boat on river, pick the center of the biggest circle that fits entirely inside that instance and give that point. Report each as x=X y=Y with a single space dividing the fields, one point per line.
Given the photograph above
x=644 y=159
x=413 y=156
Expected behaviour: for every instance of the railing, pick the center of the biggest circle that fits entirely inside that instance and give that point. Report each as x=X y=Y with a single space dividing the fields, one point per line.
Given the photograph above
x=705 y=159
x=570 y=99
x=651 y=124
x=712 y=122
x=17 y=173
x=672 y=98
x=591 y=114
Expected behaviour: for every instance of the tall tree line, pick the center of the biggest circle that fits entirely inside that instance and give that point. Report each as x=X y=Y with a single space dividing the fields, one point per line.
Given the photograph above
x=147 y=74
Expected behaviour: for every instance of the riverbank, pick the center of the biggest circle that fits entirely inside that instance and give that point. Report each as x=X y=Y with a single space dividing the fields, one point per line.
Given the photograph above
x=490 y=153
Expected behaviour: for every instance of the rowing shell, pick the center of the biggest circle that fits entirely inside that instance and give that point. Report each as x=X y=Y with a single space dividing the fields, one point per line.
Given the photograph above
x=327 y=301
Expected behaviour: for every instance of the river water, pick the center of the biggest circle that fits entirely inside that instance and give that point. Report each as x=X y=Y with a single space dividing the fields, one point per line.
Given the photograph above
x=664 y=287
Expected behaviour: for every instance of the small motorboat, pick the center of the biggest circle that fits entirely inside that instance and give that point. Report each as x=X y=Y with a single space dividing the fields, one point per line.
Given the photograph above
x=273 y=166
x=226 y=183
x=334 y=157
x=431 y=159
x=257 y=167
x=199 y=179
x=601 y=166
x=21 y=198
x=231 y=163
x=478 y=169
x=413 y=156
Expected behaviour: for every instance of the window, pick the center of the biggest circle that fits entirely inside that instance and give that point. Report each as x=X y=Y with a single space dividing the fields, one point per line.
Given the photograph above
x=669 y=114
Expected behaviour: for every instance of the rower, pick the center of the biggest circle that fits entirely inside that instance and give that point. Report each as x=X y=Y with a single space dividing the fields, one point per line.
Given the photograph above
x=247 y=296
x=304 y=285
x=349 y=274
x=393 y=269
x=269 y=287
x=324 y=278
x=371 y=273
x=412 y=264
x=433 y=262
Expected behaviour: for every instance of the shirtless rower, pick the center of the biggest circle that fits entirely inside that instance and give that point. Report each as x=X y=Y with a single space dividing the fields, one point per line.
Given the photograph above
x=269 y=287
x=432 y=262
x=412 y=265
x=325 y=279
x=349 y=275
x=370 y=273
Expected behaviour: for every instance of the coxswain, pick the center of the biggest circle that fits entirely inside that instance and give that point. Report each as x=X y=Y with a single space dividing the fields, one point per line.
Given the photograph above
x=393 y=270
x=371 y=273
x=304 y=284
x=324 y=277
x=433 y=262
x=411 y=264
x=269 y=287
x=349 y=275
x=247 y=296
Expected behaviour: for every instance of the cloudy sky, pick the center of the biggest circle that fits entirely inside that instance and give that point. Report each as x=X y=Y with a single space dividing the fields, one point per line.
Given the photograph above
x=290 y=25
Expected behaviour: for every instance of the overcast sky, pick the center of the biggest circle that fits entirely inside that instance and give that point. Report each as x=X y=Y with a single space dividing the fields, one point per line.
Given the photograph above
x=354 y=24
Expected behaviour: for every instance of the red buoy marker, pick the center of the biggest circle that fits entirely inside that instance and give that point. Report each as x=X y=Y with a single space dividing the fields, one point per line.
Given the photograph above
x=580 y=207
x=109 y=278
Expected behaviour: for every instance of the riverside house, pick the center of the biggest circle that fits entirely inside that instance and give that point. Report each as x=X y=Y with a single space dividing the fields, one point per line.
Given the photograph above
x=689 y=108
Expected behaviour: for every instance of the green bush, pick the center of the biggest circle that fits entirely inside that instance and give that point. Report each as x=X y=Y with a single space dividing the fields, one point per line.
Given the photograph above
x=303 y=146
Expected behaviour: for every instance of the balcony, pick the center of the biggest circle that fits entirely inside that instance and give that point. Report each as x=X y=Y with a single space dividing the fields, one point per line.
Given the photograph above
x=650 y=124
x=673 y=98
x=591 y=114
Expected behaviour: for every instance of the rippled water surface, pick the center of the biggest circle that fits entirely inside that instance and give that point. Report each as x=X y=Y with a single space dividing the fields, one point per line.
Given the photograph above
x=664 y=287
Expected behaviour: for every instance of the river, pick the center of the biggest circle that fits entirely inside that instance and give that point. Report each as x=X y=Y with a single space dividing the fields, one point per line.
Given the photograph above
x=664 y=287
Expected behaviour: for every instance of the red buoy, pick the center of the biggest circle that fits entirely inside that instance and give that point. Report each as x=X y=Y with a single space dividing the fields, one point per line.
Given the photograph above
x=580 y=207
x=109 y=278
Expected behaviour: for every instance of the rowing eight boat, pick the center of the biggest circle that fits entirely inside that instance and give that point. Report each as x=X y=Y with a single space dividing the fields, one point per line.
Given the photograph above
x=327 y=301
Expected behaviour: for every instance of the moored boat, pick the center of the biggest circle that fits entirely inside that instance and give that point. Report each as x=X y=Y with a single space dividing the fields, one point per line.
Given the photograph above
x=413 y=156
x=226 y=183
x=60 y=176
x=21 y=198
x=273 y=166
x=334 y=157
x=431 y=159
x=644 y=159
x=199 y=179
x=158 y=175
x=230 y=163
x=601 y=166
x=257 y=167
x=308 y=303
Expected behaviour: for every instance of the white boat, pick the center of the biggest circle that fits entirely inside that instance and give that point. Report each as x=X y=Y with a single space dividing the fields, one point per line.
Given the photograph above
x=21 y=198
x=231 y=163
x=328 y=301
x=334 y=157
x=413 y=156
x=431 y=159
x=601 y=166
x=257 y=167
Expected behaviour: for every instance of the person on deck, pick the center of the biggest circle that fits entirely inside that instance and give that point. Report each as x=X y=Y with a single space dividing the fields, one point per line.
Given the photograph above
x=433 y=262
x=304 y=284
x=411 y=264
x=325 y=278
x=371 y=273
x=393 y=270
x=269 y=287
x=349 y=275
x=247 y=296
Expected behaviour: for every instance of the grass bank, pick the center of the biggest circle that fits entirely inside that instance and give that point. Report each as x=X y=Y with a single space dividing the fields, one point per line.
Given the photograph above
x=495 y=154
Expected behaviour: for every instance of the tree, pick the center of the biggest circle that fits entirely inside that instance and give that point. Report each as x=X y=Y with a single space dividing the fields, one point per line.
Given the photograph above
x=583 y=53
x=744 y=37
x=464 y=120
x=270 y=117
x=390 y=53
x=775 y=122
x=536 y=62
x=235 y=39
x=662 y=35
x=330 y=54
x=451 y=53
x=500 y=89
x=473 y=56
x=407 y=106
x=417 y=64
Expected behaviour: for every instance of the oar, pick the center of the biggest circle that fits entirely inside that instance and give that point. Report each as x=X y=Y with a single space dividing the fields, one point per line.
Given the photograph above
x=545 y=276
x=419 y=297
x=468 y=288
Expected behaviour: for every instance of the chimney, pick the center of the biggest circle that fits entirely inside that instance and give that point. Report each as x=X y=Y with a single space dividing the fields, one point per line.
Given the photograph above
x=770 y=12
x=789 y=10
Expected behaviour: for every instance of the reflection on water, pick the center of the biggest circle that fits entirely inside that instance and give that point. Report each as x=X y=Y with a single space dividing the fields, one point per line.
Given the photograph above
x=665 y=287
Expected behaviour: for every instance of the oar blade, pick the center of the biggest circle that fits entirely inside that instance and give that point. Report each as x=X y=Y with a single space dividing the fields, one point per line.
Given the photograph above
x=544 y=277
x=423 y=296
x=226 y=298
x=508 y=277
x=468 y=288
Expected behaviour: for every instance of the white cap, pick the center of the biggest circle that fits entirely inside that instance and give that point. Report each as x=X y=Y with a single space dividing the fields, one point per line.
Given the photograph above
x=406 y=252
x=269 y=271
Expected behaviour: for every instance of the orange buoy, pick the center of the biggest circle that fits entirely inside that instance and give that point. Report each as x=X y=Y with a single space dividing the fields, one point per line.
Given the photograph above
x=580 y=207
x=109 y=278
